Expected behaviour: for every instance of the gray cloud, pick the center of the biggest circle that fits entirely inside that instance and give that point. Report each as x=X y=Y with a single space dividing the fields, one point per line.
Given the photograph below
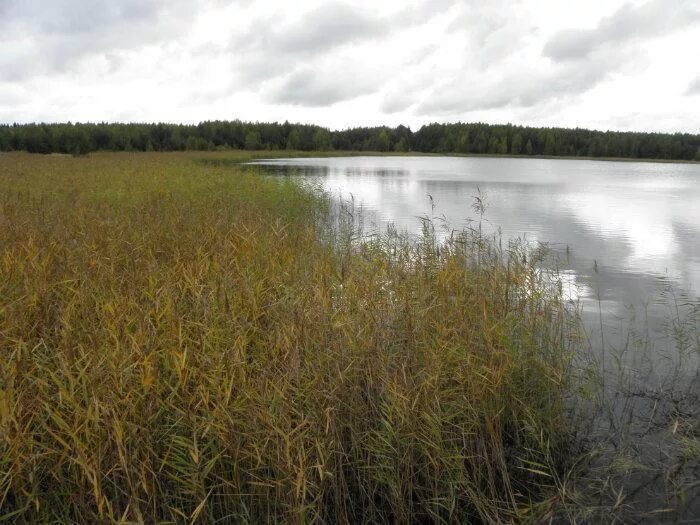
x=694 y=86
x=582 y=59
x=326 y=27
x=396 y=102
x=524 y=88
x=270 y=49
x=45 y=36
x=627 y=24
x=493 y=28
x=423 y=59
x=324 y=86
x=407 y=91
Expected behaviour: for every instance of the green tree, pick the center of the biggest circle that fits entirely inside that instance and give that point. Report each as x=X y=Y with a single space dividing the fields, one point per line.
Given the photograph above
x=383 y=141
x=401 y=145
x=503 y=146
x=593 y=149
x=321 y=140
x=463 y=144
x=36 y=140
x=447 y=138
x=253 y=140
x=294 y=140
x=5 y=141
x=549 y=146
x=197 y=144
x=493 y=145
x=81 y=142
x=517 y=145
x=481 y=142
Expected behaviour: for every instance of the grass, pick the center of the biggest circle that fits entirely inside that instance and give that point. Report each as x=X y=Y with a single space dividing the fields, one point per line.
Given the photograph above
x=187 y=342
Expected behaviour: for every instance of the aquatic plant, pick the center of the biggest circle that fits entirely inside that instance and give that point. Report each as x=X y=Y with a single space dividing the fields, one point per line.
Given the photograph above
x=193 y=341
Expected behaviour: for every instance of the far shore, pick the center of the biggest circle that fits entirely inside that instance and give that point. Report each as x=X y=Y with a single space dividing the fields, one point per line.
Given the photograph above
x=277 y=154
x=242 y=156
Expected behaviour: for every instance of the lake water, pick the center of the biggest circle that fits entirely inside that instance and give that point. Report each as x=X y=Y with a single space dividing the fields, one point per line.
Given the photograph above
x=627 y=237
x=638 y=223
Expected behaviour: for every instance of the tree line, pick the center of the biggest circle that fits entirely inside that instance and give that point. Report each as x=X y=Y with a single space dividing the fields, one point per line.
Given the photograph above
x=475 y=138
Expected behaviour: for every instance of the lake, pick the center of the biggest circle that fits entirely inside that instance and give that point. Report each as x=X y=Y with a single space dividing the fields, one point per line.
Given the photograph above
x=637 y=223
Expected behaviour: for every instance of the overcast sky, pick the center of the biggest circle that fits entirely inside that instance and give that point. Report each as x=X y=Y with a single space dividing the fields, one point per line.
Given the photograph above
x=603 y=64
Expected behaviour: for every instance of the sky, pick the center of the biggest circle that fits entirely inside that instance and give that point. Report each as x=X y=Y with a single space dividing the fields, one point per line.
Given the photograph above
x=603 y=64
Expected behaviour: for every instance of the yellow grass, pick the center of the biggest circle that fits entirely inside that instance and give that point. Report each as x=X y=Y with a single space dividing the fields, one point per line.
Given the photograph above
x=187 y=342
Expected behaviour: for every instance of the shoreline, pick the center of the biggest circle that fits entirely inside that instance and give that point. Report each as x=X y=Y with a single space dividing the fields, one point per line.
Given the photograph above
x=322 y=154
x=242 y=156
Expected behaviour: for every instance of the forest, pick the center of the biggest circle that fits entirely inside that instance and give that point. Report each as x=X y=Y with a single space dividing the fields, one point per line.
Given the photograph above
x=460 y=138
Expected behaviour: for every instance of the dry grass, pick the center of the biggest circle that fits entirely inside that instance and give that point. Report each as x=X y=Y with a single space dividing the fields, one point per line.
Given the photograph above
x=191 y=343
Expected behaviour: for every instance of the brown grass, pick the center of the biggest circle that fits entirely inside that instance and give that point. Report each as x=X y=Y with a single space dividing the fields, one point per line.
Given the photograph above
x=186 y=342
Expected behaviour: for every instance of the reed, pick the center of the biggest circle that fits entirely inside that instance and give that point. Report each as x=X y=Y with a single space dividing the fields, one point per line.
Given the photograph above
x=192 y=342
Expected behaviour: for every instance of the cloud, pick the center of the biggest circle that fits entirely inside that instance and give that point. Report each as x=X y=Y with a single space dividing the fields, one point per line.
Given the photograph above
x=12 y=95
x=694 y=87
x=524 y=86
x=629 y=23
x=326 y=85
x=422 y=12
x=406 y=91
x=46 y=36
x=500 y=73
x=270 y=47
x=328 y=26
x=397 y=101
x=273 y=46
x=338 y=62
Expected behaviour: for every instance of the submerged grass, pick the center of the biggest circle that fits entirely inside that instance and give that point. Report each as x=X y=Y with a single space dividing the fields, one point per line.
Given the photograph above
x=187 y=342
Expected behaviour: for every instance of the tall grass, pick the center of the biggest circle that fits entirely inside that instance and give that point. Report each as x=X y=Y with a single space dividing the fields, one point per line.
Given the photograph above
x=193 y=343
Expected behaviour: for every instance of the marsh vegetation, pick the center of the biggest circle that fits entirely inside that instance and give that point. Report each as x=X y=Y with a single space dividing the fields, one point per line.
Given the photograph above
x=192 y=341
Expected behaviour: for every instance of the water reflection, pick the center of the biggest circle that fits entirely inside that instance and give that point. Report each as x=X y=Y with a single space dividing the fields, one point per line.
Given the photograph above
x=638 y=221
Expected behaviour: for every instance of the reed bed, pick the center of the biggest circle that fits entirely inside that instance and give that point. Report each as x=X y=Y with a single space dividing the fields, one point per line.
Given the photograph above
x=189 y=342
